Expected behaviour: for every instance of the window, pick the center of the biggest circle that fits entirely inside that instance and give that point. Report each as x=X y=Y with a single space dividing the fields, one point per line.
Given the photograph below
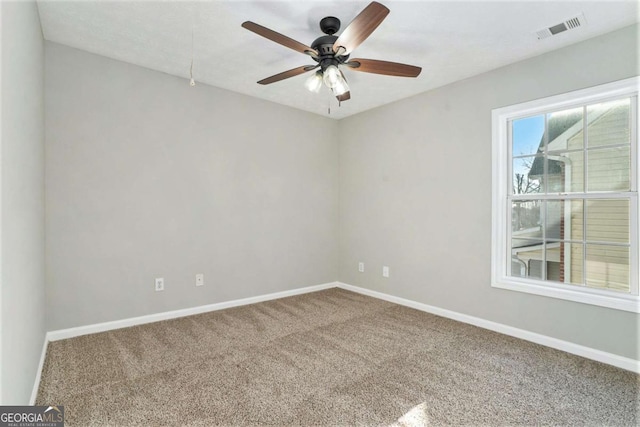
x=565 y=200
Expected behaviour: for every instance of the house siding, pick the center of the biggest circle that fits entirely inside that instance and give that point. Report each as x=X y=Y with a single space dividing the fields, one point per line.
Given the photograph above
x=606 y=266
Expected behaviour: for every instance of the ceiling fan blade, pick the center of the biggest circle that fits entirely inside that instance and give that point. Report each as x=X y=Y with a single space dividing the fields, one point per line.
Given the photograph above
x=344 y=97
x=279 y=38
x=286 y=74
x=360 y=28
x=383 y=67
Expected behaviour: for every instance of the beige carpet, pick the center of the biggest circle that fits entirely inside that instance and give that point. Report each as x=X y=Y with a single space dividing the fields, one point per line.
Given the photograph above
x=327 y=358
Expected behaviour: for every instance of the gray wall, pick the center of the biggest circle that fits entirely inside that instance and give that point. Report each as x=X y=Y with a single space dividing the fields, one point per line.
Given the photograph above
x=148 y=177
x=22 y=201
x=415 y=194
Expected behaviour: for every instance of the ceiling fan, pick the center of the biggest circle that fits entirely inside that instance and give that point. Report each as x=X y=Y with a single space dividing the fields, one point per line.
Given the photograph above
x=331 y=51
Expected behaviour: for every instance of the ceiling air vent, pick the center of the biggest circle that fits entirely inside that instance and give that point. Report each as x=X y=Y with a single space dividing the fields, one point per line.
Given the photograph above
x=569 y=24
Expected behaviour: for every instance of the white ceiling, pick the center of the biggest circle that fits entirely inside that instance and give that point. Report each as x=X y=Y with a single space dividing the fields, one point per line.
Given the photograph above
x=450 y=40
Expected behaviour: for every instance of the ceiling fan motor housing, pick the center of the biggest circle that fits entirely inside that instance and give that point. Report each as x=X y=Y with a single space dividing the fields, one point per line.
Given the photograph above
x=324 y=46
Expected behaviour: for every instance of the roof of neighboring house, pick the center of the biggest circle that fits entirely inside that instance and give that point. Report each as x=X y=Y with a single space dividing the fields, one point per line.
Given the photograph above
x=556 y=126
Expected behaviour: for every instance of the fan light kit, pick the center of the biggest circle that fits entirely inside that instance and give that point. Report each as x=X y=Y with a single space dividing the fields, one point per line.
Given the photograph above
x=330 y=52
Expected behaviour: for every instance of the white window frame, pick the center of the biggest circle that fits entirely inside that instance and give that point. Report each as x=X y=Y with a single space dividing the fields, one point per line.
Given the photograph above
x=501 y=177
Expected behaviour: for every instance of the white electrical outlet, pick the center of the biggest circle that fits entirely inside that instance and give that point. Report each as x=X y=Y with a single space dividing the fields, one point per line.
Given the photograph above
x=200 y=279
x=361 y=267
x=385 y=271
x=159 y=284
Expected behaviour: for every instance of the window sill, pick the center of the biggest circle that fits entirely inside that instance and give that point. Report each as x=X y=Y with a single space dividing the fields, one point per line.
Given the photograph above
x=583 y=295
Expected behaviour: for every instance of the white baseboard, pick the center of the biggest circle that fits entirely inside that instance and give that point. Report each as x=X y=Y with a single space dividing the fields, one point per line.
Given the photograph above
x=36 y=384
x=150 y=318
x=141 y=320
x=579 y=350
x=587 y=352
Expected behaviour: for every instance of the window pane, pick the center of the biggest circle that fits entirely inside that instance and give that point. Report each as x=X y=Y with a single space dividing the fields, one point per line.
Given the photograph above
x=608 y=123
x=608 y=267
x=609 y=169
x=564 y=129
x=535 y=269
x=564 y=262
x=574 y=229
x=571 y=264
x=526 y=258
x=608 y=220
x=526 y=219
x=565 y=172
x=553 y=258
x=563 y=220
x=527 y=174
x=526 y=135
x=554 y=219
x=553 y=271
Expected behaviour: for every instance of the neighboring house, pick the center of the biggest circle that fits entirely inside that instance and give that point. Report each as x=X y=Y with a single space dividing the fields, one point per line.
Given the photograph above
x=608 y=160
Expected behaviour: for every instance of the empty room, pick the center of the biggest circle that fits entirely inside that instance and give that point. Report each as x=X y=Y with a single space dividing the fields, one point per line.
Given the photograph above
x=327 y=213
